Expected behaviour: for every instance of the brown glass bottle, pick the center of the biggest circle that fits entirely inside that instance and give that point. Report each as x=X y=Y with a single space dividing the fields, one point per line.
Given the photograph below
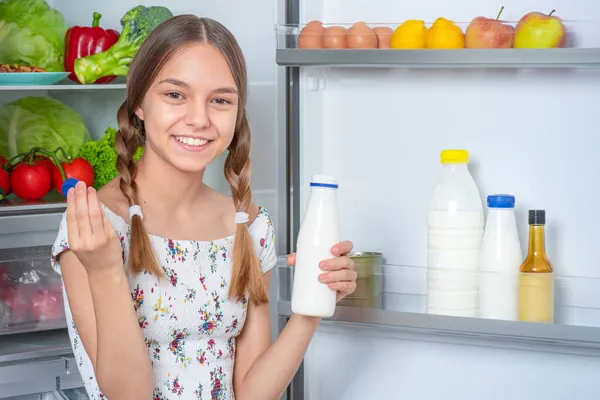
x=536 y=280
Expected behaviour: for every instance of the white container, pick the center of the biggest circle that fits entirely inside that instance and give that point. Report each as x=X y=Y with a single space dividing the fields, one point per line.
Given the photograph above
x=454 y=236
x=318 y=233
x=501 y=257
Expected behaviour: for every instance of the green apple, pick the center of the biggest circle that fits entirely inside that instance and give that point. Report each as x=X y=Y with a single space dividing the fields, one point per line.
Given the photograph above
x=540 y=31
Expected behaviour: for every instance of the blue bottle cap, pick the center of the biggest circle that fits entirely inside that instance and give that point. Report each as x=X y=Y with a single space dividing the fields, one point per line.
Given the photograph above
x=501 y=201
x=68 y=184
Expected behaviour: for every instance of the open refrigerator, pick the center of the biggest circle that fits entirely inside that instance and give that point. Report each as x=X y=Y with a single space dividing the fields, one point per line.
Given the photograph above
x=377 y=120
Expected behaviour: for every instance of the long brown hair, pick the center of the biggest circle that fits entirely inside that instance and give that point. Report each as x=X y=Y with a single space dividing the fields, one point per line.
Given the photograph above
x=162 y=44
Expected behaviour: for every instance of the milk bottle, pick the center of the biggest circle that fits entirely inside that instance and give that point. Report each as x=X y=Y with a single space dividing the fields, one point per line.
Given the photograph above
x=318 y=233
x=454 y=236
x=501 y=257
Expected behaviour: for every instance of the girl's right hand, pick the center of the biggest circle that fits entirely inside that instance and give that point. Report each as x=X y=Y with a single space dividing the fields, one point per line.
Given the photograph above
x=91 y=236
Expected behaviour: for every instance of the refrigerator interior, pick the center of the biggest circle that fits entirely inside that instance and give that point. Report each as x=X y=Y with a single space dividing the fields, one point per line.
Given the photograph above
x=529 y=132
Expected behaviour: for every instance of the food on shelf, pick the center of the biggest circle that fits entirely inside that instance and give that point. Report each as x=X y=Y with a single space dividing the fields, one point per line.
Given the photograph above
x=32 y=34
x=102 y=155
x=444 y=34
x=540 y=31
x=360 y=36
x=47 y=305
x=41 y=122
x=137 y=24
x=311 y=36
x=4 y=189
x=78 y=168
x=30 y=296
x=334 y=37
x=30 y=180
x=487 y=33
x=4 y=68
x=81 y=41
x=409 y=35
x=384 y=35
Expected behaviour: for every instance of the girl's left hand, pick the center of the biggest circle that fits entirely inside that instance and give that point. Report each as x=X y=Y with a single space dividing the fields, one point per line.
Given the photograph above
x=340 y=274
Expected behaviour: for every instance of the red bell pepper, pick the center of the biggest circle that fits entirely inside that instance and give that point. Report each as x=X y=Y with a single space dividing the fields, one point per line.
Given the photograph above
x=81 y=41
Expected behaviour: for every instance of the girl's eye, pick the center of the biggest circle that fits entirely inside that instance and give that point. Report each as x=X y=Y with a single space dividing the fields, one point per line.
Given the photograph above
x=174 y=95
x=221 y=101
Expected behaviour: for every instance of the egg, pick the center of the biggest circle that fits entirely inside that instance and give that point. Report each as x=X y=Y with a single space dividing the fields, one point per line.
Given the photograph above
x=334 y=37
x=384 y=36
x=360 y=36
x=311 y=36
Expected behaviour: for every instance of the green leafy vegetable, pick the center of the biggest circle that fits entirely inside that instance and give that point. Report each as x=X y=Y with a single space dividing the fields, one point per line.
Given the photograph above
x=40 y=122
x=32 y=33
x=102 y=155
x=137 y=24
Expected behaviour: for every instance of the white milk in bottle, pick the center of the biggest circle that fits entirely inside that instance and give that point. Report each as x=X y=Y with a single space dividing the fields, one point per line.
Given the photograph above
x=454 y=235
x=501 y=258
x=318 y=233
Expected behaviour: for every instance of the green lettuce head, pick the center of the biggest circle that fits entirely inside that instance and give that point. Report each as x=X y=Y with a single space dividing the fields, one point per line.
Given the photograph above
x=40 y=122
x=32 y=33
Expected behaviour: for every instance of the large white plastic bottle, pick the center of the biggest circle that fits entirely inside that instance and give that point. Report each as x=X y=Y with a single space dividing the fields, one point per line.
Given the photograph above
x=454 y=235
x=501 y=257
x=319 y=231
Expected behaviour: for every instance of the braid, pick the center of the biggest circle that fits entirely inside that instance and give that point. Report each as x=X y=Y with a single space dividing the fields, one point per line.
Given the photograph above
x=127 y=140
x=246 y=274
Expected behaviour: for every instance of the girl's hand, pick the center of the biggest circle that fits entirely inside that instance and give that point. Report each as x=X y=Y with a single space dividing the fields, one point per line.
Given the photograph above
x=341 y=275
x=91 y=236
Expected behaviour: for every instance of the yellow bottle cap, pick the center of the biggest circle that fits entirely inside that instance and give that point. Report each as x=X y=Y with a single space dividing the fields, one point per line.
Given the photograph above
x=455 y=157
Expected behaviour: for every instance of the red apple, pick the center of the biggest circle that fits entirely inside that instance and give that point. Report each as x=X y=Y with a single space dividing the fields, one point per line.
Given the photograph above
x=487 y=33
x=540 y=31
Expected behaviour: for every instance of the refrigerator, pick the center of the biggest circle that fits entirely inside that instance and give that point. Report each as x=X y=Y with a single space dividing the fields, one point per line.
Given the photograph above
x=377 y=120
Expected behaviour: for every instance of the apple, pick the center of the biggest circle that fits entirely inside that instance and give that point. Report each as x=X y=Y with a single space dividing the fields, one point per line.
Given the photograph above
x=540 y=31
x=487 y=33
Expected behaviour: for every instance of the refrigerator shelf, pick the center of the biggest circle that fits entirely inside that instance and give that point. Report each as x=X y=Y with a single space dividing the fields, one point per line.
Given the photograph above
x=396 y=300
x=463 y=58
x=555 y=338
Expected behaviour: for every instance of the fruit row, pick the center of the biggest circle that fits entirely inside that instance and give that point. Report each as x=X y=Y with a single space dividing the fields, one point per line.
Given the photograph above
x=534 y=30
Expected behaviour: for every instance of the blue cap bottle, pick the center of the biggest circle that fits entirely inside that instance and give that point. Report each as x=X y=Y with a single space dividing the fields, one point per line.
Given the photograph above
x=501 y=201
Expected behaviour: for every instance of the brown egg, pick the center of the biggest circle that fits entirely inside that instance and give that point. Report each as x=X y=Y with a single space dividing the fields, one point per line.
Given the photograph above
x=334 y=38
x=384 y=36
x=360 y=36
x=311 y=35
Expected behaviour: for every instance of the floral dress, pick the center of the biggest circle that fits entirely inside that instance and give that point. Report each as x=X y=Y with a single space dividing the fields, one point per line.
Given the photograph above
x=189 y=323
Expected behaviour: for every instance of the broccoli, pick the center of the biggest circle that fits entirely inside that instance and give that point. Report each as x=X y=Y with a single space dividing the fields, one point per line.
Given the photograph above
x=102 y=155
x=137 y=24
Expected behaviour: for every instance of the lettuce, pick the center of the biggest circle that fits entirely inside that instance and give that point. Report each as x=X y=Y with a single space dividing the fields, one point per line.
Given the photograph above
x=40 y=122
x=32 y=33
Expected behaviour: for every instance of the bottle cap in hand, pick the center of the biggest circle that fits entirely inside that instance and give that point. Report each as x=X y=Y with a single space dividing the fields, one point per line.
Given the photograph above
x=68 y=184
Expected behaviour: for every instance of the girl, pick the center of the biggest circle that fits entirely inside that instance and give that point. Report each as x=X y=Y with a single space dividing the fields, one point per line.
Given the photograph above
x=163 y=300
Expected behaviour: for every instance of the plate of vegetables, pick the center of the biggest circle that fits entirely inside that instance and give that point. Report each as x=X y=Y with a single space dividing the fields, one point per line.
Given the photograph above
x=20 y=75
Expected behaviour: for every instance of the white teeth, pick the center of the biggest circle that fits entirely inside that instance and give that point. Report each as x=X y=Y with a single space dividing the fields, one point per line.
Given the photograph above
x=191 y=141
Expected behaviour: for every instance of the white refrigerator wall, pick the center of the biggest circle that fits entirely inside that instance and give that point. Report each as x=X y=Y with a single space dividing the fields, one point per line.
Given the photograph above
x=532 y=133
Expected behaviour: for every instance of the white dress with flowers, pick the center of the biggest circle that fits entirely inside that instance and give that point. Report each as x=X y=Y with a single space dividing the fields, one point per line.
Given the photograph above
x=189 y=323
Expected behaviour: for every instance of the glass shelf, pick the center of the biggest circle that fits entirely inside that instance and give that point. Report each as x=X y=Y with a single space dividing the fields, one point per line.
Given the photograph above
x=401 y=306
x=582 y=51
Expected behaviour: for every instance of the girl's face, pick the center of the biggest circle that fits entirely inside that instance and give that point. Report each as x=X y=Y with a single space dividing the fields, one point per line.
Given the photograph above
x=190 y=111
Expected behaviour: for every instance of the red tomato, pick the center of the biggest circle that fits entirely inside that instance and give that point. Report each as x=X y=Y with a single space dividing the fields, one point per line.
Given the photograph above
x=42 y=160
x=47 y=305
x=4 y=181
x=30 y=182
x=79 y=168
x=3 y=160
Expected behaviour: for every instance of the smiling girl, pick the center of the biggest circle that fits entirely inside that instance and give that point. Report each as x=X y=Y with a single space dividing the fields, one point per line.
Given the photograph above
x=165 y=279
